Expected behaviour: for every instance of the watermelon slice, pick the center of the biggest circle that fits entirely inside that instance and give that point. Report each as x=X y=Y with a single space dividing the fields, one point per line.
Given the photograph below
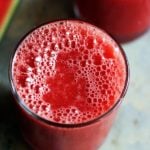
x=7 y=8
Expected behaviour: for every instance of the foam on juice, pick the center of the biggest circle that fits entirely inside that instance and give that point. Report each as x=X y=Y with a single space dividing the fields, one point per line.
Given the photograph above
x=68 y=72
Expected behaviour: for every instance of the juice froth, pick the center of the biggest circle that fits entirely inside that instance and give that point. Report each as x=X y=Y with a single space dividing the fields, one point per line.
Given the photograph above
x=68 y=72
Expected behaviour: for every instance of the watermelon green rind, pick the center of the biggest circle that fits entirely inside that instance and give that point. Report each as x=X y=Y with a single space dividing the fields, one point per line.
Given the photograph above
x=11 y=9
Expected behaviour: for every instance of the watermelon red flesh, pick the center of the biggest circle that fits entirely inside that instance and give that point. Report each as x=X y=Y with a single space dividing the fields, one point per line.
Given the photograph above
x=4 y=6
x=7 y=8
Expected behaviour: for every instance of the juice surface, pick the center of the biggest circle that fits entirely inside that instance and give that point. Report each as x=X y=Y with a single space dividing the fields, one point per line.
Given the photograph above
x=68 y=72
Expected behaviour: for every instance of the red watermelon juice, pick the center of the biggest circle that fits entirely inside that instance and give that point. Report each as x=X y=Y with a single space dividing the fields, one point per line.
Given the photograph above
x=124 y=19
x=68 y=78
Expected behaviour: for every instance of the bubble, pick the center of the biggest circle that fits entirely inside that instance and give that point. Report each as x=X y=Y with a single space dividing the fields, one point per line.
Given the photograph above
x=90 y=42
x=67 y=43
x=108 y=51
x=97 y=59
x=29 y=69
x=83 y=63
x=53 y=38
x=46 y=31
x=29 y=80
x=67 y=33
x=73 y=44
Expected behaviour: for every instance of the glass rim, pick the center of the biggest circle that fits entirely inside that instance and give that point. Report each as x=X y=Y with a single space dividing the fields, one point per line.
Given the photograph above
x=63 y=125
